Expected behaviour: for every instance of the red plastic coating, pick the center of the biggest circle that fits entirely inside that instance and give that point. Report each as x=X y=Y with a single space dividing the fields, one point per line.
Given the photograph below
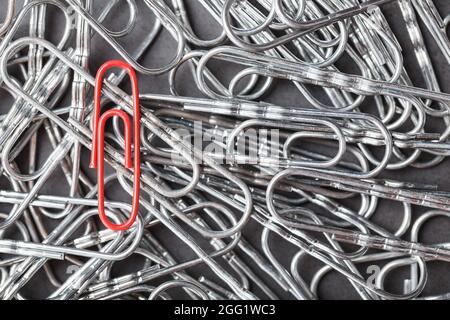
x=98 y=142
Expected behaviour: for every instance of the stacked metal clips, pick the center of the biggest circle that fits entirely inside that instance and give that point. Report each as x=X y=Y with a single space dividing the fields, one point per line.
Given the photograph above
x=218 y=191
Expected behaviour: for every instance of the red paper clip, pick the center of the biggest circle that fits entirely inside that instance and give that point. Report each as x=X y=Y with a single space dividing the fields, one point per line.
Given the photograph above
x=98 y=142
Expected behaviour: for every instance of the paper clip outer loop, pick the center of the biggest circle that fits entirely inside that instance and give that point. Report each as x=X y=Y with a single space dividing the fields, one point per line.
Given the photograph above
x=97 y=154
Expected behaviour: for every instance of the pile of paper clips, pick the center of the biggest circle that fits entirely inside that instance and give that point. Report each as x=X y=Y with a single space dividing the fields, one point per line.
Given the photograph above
x=219 y=194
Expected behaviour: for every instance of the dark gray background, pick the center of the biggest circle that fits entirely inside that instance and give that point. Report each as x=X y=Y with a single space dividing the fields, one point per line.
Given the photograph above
x=388 y=214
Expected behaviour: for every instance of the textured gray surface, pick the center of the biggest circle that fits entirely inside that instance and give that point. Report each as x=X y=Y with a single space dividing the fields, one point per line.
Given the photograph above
x=388 y=215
